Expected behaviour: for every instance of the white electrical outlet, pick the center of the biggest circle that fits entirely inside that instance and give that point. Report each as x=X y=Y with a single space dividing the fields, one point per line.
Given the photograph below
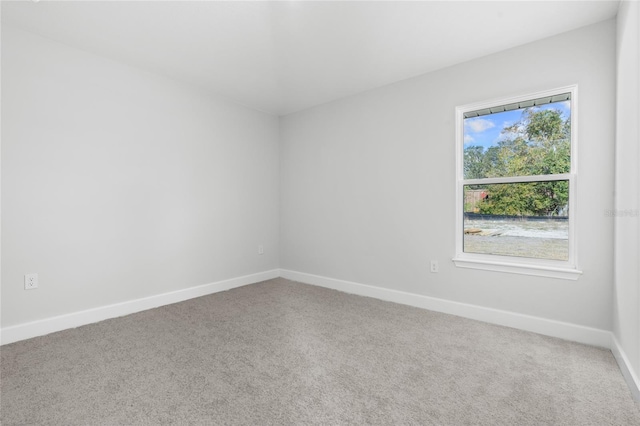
x=260 y=249
x=434 y=266
x=30 y=281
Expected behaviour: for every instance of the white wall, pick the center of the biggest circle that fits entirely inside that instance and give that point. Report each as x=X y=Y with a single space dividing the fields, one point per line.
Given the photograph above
x=367 y=182
x=119 y=184
x=626 y=323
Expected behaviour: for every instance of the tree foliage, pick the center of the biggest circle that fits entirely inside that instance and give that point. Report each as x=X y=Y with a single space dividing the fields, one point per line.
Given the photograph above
x=538 y=144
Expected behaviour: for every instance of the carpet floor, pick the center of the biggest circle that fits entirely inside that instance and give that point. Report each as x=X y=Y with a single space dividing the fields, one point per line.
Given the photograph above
x=280 y=352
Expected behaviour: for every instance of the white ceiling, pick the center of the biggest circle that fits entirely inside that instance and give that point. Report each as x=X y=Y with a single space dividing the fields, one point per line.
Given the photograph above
x=285 y=56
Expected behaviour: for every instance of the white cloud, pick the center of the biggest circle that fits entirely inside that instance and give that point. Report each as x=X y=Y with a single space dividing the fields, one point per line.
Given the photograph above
x=468 y=139
x=478 y=125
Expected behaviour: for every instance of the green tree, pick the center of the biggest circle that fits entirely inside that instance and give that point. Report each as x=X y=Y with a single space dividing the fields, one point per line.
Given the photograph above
x=538 y=144
x=474 y=163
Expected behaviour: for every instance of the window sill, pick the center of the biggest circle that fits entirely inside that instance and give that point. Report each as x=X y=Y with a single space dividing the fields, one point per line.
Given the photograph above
x=519 y=268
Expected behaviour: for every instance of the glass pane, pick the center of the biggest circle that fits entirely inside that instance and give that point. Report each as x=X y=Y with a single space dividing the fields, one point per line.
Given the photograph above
x=521 y=142
x=518 y=219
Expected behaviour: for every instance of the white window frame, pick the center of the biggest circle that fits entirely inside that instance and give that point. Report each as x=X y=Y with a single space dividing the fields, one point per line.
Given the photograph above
x=520 y=265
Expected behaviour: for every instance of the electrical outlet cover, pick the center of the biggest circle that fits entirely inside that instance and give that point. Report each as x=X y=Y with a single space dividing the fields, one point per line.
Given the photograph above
x=30 y=281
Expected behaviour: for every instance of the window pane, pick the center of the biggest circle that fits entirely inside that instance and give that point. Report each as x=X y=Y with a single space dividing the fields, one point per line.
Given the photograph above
x=518 y=219
x=520 y=142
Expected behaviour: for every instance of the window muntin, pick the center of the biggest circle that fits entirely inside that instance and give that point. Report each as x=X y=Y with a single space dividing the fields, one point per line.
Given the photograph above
x=520 y=153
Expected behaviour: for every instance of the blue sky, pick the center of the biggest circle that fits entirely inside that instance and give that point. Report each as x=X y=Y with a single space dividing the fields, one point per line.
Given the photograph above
x=485 y=130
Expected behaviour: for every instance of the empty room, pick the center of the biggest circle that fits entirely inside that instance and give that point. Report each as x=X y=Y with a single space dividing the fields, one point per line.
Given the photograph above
x=320 y=212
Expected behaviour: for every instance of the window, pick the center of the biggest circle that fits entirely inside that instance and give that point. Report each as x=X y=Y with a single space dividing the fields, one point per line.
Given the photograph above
x=516 y=181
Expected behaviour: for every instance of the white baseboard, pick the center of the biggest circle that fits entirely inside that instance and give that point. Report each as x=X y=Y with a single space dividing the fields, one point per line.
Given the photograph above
x=547 y=327
x=76 y=319
x=625 y=367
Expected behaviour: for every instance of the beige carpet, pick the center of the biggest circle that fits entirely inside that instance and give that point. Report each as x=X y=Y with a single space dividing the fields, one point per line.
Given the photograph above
x=280 y=352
